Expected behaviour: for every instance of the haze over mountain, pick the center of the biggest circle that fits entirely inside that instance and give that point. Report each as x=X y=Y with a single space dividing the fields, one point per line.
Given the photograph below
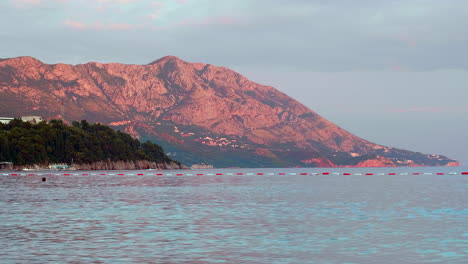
x=198 y=112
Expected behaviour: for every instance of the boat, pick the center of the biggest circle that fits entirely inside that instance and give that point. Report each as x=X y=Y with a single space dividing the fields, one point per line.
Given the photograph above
x=35 y=168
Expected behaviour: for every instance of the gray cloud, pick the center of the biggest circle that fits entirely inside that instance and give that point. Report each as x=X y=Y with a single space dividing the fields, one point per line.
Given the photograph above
x=380 y=68
x=315 y=35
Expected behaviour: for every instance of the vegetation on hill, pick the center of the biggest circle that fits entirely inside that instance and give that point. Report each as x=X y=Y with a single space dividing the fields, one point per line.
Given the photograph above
x=24 y=143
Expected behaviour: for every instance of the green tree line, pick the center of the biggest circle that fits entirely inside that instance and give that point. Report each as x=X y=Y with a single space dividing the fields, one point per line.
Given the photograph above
x=24 y=143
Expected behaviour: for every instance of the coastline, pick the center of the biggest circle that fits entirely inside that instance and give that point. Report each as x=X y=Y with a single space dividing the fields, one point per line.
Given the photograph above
x=170 y=171
x=105 y=165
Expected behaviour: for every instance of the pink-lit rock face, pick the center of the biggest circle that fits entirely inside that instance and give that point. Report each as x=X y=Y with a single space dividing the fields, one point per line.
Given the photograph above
x=319 y=162
x=215 y=99
x=453 y=164
x=377 y=162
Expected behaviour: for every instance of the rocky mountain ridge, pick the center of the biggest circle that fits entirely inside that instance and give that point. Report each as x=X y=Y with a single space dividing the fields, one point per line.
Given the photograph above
x=198 y=112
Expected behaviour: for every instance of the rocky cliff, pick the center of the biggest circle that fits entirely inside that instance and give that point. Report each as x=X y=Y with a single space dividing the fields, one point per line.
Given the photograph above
x=198 y=112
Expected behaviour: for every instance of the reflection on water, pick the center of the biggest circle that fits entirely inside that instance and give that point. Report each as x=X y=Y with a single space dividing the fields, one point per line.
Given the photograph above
x=234 y=219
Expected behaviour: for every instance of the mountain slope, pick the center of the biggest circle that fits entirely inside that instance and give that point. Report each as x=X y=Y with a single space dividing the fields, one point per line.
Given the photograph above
x=198 y=112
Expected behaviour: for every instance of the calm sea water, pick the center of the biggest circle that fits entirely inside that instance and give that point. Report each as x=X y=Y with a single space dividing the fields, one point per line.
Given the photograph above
x=236 y=218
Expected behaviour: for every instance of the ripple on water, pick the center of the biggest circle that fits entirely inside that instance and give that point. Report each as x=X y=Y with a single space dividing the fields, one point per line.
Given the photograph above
x=234 y=219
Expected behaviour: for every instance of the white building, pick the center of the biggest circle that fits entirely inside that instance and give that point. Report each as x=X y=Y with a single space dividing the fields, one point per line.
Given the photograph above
x=6 y=120
x=201 y=166
x=32 y=119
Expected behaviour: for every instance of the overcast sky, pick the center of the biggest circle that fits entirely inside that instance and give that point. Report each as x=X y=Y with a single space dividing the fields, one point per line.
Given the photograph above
x=391 y=71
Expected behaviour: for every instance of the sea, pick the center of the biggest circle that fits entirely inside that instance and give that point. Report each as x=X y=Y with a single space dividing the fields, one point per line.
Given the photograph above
x=297 y=215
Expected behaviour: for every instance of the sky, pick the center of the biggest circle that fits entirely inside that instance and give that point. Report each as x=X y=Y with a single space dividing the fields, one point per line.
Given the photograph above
x=393 y=72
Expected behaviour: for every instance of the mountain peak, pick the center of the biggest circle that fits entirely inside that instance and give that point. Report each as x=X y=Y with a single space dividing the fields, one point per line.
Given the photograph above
x=25 y=60
x=166 y=59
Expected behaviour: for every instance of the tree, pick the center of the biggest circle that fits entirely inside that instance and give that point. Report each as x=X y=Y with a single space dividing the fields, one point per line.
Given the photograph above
x=24 y=143
x=4 y=148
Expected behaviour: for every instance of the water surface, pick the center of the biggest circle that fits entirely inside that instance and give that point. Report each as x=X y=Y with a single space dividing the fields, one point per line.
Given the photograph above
x=236 y=218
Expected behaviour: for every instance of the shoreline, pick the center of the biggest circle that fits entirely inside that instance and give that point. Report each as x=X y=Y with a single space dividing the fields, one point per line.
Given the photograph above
x=330 y=172
x=101 y=165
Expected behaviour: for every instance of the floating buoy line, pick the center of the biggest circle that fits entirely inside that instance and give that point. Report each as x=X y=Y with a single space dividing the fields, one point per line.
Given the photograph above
x=194 y=173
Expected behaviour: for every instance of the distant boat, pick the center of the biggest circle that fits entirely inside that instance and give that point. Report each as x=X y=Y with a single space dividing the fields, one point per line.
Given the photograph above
x=35 y=168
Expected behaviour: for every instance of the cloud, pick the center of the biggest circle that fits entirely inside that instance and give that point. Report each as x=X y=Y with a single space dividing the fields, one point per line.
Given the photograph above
x=27 y=3
x=98 y=26
x=460 y=109
x=34 y=3
x=156 y=8
x=120 y=2
x=211 y=21
x=316 y=35
x=74 y=24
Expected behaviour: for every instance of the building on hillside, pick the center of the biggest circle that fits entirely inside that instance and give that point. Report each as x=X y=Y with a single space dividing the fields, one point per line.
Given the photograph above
x=201 y=166
x=6 y=120
x=32 y=119
x=59 y=166
x=6 y=165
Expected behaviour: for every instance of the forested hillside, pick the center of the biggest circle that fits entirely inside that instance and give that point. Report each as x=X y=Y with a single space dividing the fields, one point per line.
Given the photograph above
x=25 y=143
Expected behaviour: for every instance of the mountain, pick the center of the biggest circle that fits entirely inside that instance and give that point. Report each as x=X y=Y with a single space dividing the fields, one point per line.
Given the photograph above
x=198 y=112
